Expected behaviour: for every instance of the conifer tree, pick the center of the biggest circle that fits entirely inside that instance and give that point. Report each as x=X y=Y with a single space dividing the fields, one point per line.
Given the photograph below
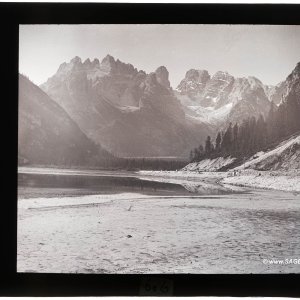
x=208 y=146
x=201 y=152
x=235 y=138
x=192 y=155
x=253 y=135
x=218 y=143
x=271 y=123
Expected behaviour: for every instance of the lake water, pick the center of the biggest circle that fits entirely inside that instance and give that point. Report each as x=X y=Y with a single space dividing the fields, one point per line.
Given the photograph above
x=116 y=222
x=53 y=185
x=87 y=185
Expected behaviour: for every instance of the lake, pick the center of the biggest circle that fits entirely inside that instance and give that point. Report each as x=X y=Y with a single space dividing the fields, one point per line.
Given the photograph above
x=72 y=221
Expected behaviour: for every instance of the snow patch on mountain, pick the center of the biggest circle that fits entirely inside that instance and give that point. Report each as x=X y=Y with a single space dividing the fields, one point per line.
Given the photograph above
x=222 y=98
x=211 y=115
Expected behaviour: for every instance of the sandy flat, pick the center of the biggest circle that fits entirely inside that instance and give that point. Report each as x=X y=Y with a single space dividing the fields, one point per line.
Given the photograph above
x=136 y=233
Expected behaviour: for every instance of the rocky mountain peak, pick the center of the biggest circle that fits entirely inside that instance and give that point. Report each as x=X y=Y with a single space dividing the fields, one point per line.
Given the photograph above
x=65 y=68
x=217 y=89
x=95 y=62
x=108 y=59
x=295 y=73
x=152 y=85
x=108 y=63
x=116 y=67
x=292 y=82
x=87 y=62
x=94 y=69
x=222 y=97
x=127 y=111
x=249 y=83
x=222 y=76
x=62 y=66
x=194 y=82
x=254 y=81
x=197 y=75
x=278 y=93
x=76 y=60
x=151 y=80
x=162 y=76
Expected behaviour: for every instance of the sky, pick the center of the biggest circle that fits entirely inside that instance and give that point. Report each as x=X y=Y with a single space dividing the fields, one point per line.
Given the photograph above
x=267 y=52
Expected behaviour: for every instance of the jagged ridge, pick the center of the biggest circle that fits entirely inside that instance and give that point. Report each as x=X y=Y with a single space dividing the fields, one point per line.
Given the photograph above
x=129 y=112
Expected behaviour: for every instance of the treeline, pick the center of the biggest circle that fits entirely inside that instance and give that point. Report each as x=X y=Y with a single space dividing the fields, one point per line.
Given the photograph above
x=253 y=135
x=115 y=163
x=132 y=164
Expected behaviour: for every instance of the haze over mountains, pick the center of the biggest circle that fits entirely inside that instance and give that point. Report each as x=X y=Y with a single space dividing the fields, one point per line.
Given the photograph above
x=47 y=135
x=128 y=112
x=113 y=106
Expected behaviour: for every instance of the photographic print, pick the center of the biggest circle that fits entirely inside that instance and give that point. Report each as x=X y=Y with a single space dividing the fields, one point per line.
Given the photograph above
x=171 y=149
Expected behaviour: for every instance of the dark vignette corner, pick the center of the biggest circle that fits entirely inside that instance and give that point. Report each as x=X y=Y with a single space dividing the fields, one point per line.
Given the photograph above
x=11 y=15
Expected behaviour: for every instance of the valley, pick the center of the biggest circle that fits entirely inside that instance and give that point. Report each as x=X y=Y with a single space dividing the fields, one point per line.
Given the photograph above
x=123 y=170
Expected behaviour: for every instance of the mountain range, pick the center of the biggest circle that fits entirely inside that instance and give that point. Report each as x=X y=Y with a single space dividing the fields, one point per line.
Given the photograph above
x=110 y=106
x=128 y=112
x=221 y=98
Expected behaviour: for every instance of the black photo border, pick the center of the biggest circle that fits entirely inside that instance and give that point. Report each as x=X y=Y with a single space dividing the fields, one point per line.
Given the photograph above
x=25 y=284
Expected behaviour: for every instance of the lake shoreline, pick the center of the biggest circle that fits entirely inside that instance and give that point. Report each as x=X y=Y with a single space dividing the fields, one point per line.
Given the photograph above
x=127 y=230
x=289 y=181
x=281 y=181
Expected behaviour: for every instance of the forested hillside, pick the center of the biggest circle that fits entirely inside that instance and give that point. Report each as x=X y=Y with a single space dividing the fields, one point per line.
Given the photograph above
x=255 y=134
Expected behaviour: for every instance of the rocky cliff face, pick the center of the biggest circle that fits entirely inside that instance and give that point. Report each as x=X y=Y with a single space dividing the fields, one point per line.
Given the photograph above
x=162 y=76
x=222 y=98
x=47 y=135
x=275 y=93
x=278 y=93
x=293 y=82
x=217 y=89
x=248 y=99
x=129 y=112
x=193 y=85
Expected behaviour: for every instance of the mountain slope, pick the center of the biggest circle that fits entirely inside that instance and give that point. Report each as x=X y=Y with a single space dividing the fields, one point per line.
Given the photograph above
x=278 y=93
x=47 y=135
x=284 y=157
x=277 y=168
x=127 y=111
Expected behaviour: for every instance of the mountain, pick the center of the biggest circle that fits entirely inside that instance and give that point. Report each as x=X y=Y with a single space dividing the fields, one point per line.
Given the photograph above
x=221 y=98
x=130 y=113
x=193 y=86
x=274 y=140
x=47 y=135
x=284 y=156
x=292 y=84
x=279 y=92
x=275 y=93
